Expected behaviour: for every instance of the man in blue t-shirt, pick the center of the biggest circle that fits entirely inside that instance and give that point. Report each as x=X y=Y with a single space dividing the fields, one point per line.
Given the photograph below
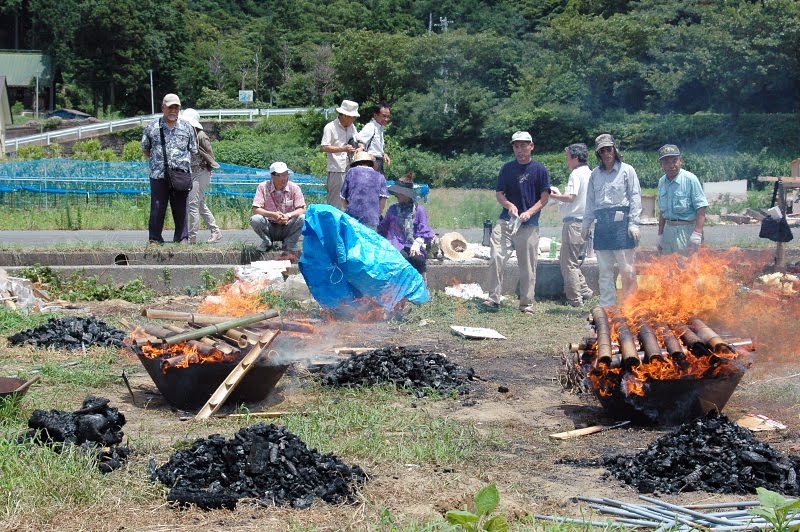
x=523 y=189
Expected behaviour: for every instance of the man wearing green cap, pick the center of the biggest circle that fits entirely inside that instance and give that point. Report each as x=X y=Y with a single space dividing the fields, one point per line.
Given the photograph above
x=681 y=204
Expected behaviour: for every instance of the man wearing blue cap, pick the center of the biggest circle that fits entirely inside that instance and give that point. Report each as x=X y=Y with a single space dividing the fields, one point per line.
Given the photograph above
x=681 y=204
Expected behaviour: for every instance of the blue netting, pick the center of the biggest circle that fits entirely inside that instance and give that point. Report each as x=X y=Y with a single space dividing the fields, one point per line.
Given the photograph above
x=66 y=176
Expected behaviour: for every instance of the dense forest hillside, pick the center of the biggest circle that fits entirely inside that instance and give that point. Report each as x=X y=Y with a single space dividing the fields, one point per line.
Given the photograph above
x=461 y=74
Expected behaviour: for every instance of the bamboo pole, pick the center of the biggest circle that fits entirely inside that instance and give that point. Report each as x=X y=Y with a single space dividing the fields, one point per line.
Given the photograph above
x=222 y=346
x=220 y=327
x=173 y=315
x=235 y=377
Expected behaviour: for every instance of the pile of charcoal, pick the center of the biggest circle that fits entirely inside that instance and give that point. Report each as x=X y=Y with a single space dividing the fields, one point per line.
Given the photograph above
x=70 y=333
x=711 y=454
x=414 y=369
x=263 y=462
x=96 y=428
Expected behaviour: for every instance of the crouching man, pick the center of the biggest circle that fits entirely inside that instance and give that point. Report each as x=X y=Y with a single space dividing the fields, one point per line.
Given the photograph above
x=279 y=212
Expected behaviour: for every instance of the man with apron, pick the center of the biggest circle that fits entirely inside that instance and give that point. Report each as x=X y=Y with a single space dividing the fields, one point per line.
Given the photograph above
x=614 y=201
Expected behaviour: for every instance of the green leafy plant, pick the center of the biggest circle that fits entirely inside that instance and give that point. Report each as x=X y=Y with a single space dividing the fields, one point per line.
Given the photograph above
x=777 y=510
x=485 y=503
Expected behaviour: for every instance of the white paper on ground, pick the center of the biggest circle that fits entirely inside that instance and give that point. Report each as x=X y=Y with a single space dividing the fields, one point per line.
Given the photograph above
x=477 y=332
x=466 y=291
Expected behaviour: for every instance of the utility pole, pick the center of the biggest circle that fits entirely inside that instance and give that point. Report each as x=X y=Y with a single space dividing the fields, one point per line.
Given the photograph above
x=36 y=103
x=152 y=100
x=443 y=23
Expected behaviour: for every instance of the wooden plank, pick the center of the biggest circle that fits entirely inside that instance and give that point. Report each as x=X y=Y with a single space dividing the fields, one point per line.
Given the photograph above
x=235 y=377
x=586 y=431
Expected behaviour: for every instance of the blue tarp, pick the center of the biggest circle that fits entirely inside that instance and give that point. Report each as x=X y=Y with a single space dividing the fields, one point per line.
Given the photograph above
x=344 y=261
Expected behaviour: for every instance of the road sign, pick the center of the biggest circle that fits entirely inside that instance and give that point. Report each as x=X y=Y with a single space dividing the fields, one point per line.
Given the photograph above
x=246 y=96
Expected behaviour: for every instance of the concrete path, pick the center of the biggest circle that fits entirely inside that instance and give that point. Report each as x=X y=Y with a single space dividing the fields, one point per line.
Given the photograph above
x=720 y=236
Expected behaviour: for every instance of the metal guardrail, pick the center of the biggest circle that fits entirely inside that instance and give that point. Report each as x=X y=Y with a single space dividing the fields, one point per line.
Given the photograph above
x=77 y=133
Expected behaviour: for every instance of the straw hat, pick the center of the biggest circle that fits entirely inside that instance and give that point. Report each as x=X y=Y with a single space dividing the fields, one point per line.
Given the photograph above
x=456 y=247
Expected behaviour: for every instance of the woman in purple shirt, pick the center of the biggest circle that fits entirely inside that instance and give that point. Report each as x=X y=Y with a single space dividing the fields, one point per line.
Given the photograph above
x=406 y=224
x=364 y=190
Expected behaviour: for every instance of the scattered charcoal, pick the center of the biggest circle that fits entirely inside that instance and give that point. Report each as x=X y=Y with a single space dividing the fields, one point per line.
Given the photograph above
x=263 y=462
x=502 y=389
x=414 y=369
x=96 y=428
x=711 y=454
x=70 y=333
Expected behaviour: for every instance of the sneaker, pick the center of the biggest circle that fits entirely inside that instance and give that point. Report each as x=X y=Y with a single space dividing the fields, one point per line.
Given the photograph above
x=216 y=236
x=192 y=240
x=530 y=309
x=587 y=295
x=264 y=246
x=576 y=304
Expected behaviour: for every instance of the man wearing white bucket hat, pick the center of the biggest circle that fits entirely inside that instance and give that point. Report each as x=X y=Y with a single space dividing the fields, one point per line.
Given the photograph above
x=339 y=142
x=279 y=212
x=681 y=205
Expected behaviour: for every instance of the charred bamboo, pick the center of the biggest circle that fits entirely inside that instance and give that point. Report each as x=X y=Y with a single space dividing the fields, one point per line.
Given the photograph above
x=627 y=345
x=603 y=329
x=671 y=342
x=693 y=342
x=707 y=335
x=649 y=342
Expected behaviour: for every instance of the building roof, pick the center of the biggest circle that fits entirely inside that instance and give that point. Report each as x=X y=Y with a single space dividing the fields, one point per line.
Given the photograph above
x=21 y=67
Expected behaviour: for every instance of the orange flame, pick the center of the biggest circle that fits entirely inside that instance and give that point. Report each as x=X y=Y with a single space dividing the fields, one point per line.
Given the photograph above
x=183 y=354
x=673 y=289
x=237 y=299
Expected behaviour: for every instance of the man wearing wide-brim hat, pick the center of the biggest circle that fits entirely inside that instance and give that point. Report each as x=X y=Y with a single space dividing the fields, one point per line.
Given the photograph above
x=681 y=204
x=614 y=202
x=339 y=142
x=406 y=225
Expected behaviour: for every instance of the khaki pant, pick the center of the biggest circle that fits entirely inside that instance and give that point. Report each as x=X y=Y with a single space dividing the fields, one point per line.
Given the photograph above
x=606 y=260
x=572 y=246
x=676 y=239
x=335 y=182
x=196 y=204
x=526 y=244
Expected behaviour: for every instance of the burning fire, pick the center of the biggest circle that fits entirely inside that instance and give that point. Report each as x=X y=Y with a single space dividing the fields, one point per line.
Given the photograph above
x=183 y=354
x=238 y=299
x=672 y=291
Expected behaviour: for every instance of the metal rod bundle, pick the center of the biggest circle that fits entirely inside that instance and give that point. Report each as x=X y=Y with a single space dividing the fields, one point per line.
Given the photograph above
x=664 y=516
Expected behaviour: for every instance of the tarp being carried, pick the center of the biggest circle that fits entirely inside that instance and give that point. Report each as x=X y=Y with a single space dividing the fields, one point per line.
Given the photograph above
x=344 y=261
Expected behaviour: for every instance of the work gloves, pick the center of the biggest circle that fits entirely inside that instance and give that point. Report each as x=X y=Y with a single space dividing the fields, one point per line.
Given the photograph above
x=635 y=234
x=696 y=238
x=416 y=247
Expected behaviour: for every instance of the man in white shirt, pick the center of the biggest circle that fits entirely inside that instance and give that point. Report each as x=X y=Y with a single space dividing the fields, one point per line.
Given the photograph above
x=372 y=138
x=339 y=142
x=573 y=205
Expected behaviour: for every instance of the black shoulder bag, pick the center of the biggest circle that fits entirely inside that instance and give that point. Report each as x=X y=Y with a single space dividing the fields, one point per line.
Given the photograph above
x=772 y=229
x=177 y=179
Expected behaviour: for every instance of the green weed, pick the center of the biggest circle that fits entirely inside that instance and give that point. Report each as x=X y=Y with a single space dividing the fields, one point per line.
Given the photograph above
x=378 y=424
x=12 y=321
x=777 y=510
x=485 y=503
x=276 y=301
x=79 y=288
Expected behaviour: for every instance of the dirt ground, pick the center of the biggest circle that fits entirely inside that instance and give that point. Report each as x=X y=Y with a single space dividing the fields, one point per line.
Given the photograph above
x=526 y=470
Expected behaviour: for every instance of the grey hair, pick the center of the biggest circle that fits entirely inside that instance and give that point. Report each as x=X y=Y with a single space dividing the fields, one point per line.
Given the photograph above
x=579 y=151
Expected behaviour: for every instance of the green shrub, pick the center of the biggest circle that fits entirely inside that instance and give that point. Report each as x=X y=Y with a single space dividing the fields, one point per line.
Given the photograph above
x=92 y=150
x=132 y=151
x=17 y=108
x=130 y=135
x=31 y=153
x=51 y=123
